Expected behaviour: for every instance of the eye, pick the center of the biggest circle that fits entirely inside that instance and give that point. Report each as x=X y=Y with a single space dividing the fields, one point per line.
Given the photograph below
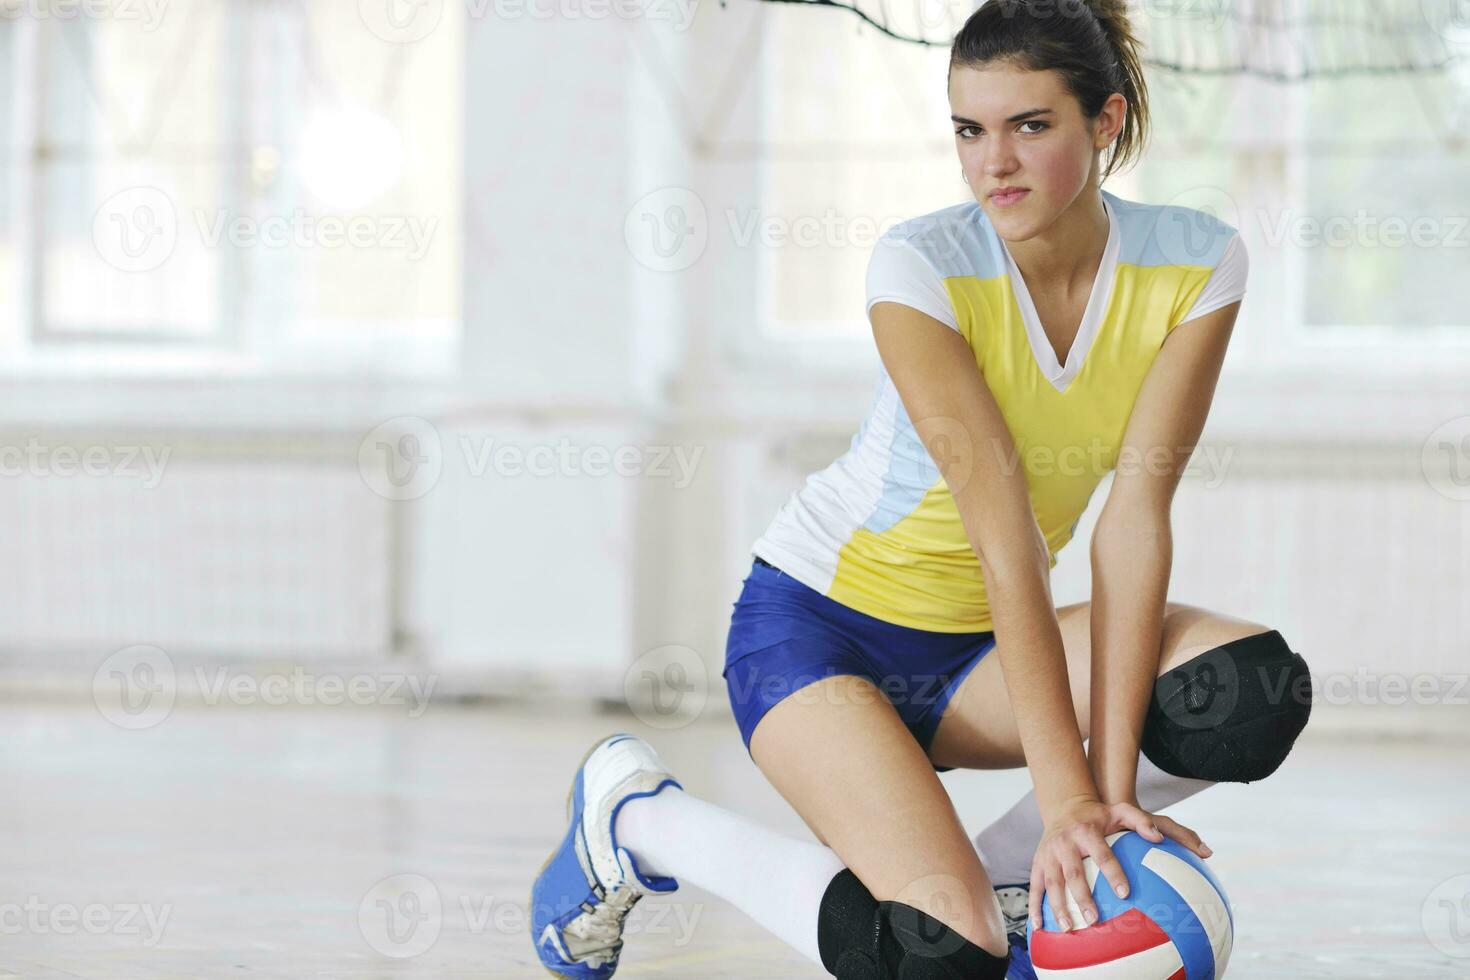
x=964 y=129
x=1035 y=122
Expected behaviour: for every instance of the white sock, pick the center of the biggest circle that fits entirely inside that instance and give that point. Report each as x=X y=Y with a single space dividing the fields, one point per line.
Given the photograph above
x=1007 y=846
x=776 y=880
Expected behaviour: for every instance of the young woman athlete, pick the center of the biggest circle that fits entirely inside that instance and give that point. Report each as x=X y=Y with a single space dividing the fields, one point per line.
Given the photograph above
x=1032 y=340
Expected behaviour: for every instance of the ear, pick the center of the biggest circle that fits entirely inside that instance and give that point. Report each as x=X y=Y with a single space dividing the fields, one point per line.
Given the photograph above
x=1110 y=120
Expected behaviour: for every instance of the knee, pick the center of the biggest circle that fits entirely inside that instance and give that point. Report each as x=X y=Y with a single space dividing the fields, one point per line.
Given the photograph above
x=1230 y=714
x=861 y=938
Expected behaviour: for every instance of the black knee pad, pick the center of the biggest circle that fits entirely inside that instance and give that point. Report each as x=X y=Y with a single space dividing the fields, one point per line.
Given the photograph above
x=860 y=938
x=845 y=921
x=1232 y=713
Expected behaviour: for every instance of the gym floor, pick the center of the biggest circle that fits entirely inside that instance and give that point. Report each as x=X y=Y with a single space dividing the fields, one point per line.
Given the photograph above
x=256 y=842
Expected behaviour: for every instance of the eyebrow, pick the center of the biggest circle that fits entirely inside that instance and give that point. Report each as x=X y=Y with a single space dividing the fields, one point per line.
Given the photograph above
x=1018 y=117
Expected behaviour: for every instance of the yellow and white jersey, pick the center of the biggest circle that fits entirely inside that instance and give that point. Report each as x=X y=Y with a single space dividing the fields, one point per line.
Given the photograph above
x=878 y=529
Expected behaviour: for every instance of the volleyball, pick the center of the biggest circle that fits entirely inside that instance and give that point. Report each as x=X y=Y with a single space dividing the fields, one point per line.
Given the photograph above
x=1175 y=924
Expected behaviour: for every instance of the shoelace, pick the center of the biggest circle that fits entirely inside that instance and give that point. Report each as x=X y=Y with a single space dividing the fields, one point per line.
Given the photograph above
x=604 y=925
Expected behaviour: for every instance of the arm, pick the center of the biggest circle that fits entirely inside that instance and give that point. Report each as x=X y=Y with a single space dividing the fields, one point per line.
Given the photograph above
x=1132 y=546
x=952 y=408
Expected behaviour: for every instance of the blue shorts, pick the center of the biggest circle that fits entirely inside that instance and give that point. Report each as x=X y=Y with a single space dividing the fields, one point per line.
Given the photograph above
x=785 y=635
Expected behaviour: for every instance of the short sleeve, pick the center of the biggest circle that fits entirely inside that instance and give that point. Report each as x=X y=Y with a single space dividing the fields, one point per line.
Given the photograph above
x=1227 y=282
x=898 y=273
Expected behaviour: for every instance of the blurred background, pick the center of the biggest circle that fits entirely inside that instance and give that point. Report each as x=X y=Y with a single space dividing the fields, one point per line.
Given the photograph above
x=459 y=349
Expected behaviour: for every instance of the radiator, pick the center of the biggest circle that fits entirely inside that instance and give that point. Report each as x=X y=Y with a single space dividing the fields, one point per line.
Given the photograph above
x=237 y=546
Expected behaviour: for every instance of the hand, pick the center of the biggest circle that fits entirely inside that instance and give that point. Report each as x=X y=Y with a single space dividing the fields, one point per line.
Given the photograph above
x=1080 y=830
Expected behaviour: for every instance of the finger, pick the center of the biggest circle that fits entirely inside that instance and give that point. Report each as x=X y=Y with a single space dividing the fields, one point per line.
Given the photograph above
x=1108 y=863
x=1147 y=825
x=1056 y=887
x=1077 y=888
x=1177 y=831
x=1037 y=890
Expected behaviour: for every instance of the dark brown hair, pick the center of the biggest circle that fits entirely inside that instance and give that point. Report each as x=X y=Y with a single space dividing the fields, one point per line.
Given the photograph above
x=1090 y=43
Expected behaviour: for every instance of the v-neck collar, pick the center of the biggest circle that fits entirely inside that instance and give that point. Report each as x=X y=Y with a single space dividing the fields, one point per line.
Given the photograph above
x=1061 y=376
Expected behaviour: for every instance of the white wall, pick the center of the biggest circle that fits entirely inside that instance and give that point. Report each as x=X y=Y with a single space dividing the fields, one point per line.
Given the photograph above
x=1326 y=527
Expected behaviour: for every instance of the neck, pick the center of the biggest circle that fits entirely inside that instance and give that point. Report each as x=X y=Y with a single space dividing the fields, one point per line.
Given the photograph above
x=1070 y=251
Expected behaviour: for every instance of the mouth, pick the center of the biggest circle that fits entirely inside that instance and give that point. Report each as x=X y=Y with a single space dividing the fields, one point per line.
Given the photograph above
x=1006 y=196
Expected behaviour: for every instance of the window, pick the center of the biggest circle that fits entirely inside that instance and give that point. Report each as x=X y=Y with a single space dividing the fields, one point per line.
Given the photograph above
x=270 y=183
x=1383 y=239
x=857 y=128
x=857 y=138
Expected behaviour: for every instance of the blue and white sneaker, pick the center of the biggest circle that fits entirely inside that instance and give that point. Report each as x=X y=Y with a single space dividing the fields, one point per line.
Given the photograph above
x=589 y=884
x=1014 y=902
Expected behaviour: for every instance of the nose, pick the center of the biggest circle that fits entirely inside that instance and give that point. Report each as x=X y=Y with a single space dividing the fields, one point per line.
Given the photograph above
x=1000 y=158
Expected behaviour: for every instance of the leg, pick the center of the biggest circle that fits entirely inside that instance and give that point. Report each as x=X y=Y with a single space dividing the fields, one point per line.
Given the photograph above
x=981 y=732
x=838 y=752
x=824 y=746
x=679 y=835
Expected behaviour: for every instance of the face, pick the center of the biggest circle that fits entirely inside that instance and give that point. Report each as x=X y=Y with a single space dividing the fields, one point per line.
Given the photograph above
x=1025 y=129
